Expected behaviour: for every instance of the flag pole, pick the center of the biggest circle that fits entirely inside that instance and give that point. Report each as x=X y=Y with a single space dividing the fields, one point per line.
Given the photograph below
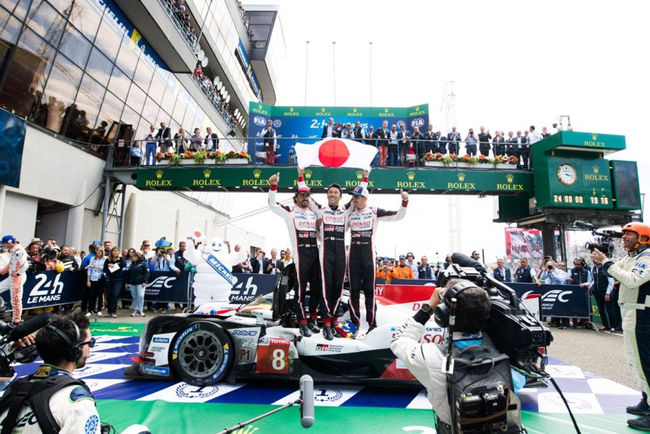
x=306 y=68
x=370 y=70
x=334 y=69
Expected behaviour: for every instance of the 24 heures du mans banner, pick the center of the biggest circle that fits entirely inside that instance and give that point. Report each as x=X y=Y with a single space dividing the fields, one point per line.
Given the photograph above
x=418 y=180
x=305 y=124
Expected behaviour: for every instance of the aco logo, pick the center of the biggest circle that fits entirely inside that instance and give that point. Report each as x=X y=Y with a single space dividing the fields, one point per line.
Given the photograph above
x=259 y=121
x=277 y=123
x=328 y=395
x=188 y=391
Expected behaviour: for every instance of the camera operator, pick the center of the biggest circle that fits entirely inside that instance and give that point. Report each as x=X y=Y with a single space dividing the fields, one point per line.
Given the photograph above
x=633 y=273
x=51 y=400
x=425 y=360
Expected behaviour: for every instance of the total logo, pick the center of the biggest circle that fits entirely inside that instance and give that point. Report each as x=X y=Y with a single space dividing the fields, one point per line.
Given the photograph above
x=328 y=395
x=188 y=391
x=259 y=121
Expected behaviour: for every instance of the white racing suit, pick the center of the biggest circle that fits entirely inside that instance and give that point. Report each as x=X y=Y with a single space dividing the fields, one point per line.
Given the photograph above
x=17 y=276
x=73 y=408
x=633 y=273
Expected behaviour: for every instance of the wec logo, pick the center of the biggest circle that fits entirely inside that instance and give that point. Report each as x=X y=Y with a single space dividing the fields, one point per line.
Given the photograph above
x=161 y=282
x=551 y=296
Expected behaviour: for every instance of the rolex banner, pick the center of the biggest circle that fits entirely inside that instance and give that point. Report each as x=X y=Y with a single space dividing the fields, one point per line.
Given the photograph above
x=305 y=124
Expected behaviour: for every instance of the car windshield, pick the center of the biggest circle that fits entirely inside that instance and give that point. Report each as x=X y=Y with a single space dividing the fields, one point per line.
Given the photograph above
x=263 y=302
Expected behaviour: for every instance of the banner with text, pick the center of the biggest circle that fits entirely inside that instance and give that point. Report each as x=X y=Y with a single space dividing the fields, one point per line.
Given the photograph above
x=305 y=124
x=567 y=301
x=48 y=288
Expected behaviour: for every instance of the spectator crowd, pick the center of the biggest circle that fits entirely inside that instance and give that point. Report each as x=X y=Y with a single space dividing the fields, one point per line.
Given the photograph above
x=107 y=269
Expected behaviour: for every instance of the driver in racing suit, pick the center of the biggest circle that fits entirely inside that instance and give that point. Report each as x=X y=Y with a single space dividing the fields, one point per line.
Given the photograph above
x=363 y=225
x=633 y=273
x=332 y=223
x=301 y=224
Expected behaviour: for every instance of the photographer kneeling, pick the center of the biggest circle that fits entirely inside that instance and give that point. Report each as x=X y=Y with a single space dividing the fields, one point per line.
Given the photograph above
x=426 y=360
x=51 y=400
x=633 y=273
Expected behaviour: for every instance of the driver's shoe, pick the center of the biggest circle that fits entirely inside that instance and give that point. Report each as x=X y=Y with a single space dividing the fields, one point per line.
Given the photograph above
x=642 y=408
x=327 y=332
x=313 y=326
x=642 y=423
x=304 y=330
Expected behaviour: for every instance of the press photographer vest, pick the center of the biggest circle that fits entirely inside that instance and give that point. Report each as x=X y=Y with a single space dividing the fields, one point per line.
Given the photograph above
x=579 y=275
x=36 y=394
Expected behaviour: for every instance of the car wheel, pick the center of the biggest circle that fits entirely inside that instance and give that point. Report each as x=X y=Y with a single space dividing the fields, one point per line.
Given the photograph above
x=201 y=354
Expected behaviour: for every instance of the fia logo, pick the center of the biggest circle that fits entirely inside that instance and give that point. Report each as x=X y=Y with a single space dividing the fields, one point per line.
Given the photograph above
x=328 y=395
x=417 y=122
x=259 y=121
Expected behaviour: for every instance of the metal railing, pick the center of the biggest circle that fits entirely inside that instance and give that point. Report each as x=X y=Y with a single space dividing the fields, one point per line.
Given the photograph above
x=182 y=150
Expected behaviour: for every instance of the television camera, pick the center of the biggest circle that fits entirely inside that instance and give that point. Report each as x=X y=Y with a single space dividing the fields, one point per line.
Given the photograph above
x=603 y=240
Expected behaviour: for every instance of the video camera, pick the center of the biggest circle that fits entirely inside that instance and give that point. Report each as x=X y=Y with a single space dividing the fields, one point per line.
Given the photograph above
x=9 y=333
x=513 y=330
x=603 y=240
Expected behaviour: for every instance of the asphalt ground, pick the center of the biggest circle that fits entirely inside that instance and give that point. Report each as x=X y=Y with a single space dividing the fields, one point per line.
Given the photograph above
x=600 y=353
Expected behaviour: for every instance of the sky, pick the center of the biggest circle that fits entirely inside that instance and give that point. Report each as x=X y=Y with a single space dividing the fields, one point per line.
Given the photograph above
x=513 y=64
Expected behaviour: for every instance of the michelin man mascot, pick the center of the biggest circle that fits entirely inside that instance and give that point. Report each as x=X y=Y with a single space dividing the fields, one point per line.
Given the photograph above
x=213 y=279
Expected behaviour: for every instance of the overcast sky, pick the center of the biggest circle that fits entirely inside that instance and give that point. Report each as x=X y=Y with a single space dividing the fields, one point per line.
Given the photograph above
x=513 y=63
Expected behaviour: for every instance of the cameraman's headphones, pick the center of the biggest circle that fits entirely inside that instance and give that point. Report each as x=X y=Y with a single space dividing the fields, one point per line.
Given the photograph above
x=73 y=351
x=443 y=310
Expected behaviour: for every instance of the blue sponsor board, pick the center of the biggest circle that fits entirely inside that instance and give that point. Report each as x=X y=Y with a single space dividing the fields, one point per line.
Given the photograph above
x=49 y=288
x=305 y=124
x=565 y=301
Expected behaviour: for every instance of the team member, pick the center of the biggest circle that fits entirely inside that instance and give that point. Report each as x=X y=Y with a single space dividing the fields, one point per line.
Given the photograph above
x=332 y=223
x=363 y=225
x=301 y=223
x=67 y=405
x=426 y=360
x=524 y=274
x=633 y=273
x=402 y=270
x=17 y=267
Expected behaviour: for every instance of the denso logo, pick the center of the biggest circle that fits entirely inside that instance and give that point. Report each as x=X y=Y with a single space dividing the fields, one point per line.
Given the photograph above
x=359 y=224
x=305 y=224
x=333 y=219
x=259 y=121
x=244 y=332
x=157 y=340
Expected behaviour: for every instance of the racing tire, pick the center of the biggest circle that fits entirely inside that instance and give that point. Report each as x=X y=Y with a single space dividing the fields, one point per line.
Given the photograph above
x=201 y=354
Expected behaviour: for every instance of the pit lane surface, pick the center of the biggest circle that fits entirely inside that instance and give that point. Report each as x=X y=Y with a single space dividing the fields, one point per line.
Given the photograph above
x=177 y=407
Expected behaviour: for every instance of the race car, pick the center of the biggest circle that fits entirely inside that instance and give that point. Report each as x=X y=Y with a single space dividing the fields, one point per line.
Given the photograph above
x=213 y=345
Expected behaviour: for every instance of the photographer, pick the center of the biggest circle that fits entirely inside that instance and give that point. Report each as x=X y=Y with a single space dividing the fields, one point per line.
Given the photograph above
x=51 y=400
x=384 y=271
x=633 y=273
x=425 y=360
x=552 y=274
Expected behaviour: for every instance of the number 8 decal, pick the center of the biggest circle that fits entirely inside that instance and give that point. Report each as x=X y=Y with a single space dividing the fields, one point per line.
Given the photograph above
x=278 y=362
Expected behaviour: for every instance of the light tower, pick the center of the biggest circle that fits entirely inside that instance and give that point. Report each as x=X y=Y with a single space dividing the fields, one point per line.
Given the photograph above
x=448 y=114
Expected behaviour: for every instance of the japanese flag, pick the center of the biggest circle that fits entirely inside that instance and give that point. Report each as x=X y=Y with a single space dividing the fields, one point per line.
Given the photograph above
x=335 y=153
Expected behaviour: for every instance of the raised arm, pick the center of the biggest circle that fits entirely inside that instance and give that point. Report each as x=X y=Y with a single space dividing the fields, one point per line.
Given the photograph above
x=272 y=200
x=386 y=215
x=314 y=206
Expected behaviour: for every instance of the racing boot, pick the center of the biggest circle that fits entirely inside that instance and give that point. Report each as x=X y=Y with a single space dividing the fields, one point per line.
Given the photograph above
x=327 y=332
x=642 y=423
x=313 y=326
x=642 y=408
x=304 y=330
x=371 y=328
